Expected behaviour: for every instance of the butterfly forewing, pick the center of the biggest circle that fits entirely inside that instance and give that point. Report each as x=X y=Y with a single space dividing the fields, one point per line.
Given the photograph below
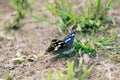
x=70 y=38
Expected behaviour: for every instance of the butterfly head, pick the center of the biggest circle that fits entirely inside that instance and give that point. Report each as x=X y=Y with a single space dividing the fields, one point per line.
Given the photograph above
x=74 y=28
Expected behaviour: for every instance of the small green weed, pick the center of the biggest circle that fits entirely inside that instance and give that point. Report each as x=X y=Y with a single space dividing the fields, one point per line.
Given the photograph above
x=23 y=56
x=64 y=12
x=19 y=58
x=115 y=57
x=6 y=36
x=8 y=76
x=89 y=45
x=21 y=7
x=72 y=73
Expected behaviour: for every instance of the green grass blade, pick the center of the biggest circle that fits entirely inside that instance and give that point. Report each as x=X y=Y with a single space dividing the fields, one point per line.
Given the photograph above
x=38 y=19
x=70 y=72
x=49 y=75
x=98 y=5
x=60 y=76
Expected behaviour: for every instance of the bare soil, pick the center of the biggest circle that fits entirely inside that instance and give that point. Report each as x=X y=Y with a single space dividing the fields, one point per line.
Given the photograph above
x=36 y=37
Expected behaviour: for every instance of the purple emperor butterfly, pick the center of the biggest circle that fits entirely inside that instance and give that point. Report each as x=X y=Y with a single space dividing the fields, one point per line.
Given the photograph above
x=63 y=46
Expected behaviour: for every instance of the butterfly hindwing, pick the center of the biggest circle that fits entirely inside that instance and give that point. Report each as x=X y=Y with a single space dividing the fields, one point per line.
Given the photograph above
x=56 y=45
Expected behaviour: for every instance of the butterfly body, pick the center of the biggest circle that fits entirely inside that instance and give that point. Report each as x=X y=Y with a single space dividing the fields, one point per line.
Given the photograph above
x=63 y=46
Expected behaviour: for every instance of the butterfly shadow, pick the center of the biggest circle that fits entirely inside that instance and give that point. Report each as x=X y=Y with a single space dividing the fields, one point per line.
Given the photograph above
x=63 y=56
x=91 y=54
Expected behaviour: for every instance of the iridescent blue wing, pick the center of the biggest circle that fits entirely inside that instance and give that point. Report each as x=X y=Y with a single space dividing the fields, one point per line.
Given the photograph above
x=70 y=38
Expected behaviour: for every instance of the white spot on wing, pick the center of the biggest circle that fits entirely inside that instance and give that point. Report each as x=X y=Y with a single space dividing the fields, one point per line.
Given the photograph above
x=72 y=34
x=54 y=44
x=57 y=47
x=60 y=42
x=67 y=40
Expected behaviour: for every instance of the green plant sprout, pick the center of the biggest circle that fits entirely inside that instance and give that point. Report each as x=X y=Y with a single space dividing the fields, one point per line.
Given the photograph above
x=6 y=36
x=23 y=57
x=21 y=7
x=90 y=45
x=64 y=12
x=8 y=76
x=71 y=73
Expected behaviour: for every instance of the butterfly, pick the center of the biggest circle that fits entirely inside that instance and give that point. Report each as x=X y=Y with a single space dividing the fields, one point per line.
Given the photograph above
x=63 y=46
